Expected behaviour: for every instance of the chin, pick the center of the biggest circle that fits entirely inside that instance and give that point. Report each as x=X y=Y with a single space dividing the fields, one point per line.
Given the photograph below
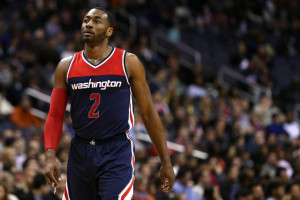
x=87 y=40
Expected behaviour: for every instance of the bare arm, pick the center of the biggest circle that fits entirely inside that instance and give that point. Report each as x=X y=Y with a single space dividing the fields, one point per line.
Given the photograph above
x=150 y=117
x=61 y=73
x=52 y=168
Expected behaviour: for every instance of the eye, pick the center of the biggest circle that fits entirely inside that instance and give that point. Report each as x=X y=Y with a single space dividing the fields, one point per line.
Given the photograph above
x=97 y=21
x=85 y=21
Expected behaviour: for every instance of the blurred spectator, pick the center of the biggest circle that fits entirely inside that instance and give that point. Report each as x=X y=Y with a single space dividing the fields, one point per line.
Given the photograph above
x=183 y=184
x=257 y=191
x=5 y=75
x=20 y=148
x=284 y=162
x=161 y=107
x=269 y=167
x=228 y=183
x=69 y=51
x=146 y=52
x=4 y=195
x=197 y=89
x=290 y=95
x=203 y=182
x=15 y=89
x=9 y=159
x=24 y=185
x=212 y=193
x=22 y=116
x=243 y=194
x=52 y=27
x=276 y=191
x=8 y=180
x=293 y=192
x=276 y=127
x=291 y=126
x=39 y=188
x=62 y=154
x=140 y=188
x=281 y=175
x=240 y=59
x=265 y=109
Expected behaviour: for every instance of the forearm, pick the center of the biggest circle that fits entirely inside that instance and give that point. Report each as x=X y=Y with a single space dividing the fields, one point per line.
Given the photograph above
x=54 y=122
x=157 y=134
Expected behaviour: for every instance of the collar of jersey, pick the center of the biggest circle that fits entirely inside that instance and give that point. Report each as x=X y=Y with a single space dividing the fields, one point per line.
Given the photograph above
x=102 y=62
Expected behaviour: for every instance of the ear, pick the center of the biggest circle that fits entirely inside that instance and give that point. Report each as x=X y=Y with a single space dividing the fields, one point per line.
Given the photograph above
x=109 y=31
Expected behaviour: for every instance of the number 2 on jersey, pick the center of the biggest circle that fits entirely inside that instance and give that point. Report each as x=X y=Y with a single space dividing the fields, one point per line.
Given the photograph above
x=96 y=98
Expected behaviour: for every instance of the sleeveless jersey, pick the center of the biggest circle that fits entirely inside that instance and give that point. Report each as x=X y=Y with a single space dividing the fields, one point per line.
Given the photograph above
x=100 y=96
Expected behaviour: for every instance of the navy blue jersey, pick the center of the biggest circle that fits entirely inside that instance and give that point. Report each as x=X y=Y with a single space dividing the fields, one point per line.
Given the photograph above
x=100 y=96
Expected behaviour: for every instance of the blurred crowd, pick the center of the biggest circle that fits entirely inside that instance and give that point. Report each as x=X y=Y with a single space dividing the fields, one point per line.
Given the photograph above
x=253 y=147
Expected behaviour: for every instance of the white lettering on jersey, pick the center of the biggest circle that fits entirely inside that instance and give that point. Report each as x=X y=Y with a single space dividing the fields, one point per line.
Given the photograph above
x=99 y=84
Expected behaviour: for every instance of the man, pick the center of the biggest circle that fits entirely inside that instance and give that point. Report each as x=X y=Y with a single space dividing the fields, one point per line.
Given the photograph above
x=258 y=191
x=99 y=81
x=276 y=190
x=183 y=184
x=141 y=189
x=39 y=188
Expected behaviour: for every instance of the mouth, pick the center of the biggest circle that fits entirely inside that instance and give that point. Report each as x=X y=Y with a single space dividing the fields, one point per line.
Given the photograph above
x=88 y=32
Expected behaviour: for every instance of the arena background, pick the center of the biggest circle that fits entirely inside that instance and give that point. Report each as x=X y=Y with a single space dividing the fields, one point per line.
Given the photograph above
x=224 y=75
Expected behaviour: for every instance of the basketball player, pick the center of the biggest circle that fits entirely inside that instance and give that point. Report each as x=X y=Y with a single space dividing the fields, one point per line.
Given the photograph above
x=99 y=82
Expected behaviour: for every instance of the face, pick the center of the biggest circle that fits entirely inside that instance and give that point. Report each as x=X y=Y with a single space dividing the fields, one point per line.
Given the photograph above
x=95 y=26
x=295 y=191
x=29 y=176
x=258 y=191
x=280 y=191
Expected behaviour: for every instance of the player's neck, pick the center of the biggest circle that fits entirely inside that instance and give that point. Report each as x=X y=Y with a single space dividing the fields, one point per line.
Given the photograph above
x=97 y=52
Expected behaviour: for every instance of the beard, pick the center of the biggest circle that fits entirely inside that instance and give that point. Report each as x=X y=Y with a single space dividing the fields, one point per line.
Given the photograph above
x=94 y=38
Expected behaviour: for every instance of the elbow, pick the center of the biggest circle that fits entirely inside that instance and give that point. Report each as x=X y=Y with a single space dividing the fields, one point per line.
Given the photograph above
x=149 y=114
x=145 y=117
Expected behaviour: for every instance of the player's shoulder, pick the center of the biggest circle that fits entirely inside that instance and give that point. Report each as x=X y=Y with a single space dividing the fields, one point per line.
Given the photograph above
x=131 y=58
x=133 y=65
x=65 y=61
x=63 y=65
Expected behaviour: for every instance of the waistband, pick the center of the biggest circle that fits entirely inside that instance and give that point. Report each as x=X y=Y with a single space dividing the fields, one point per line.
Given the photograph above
x=100 y=141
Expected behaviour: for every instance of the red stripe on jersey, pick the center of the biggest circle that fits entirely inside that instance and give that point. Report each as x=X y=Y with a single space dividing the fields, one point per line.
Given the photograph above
x=128 y=189
x=132 y=142
x=66 y=194
x=109 y=66
x=131 y=116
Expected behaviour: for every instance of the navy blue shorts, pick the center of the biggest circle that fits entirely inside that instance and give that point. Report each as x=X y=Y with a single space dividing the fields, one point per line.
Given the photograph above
x=103 y=171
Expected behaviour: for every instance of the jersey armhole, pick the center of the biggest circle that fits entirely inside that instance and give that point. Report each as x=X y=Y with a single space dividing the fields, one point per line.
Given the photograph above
x=69 y=68
x=124 y=66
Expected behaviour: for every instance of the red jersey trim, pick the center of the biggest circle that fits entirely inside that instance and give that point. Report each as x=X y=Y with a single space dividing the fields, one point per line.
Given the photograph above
x=112 y=65
x=69 y=67
x=102 y=62
x=124 y=66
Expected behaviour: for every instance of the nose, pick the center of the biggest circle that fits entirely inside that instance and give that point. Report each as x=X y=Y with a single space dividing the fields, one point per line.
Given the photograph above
x=89 y=24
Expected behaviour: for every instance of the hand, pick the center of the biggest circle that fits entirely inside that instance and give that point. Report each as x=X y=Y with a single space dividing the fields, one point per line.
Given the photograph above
x=52 y=169
x=167 y=177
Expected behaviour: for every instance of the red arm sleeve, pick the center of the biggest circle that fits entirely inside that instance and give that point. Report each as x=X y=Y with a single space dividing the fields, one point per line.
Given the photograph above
x=54 y=122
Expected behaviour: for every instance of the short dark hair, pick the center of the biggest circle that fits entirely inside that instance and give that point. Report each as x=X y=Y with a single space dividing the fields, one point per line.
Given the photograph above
x=109 y=15
x=273 y=186
x=38 y=181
